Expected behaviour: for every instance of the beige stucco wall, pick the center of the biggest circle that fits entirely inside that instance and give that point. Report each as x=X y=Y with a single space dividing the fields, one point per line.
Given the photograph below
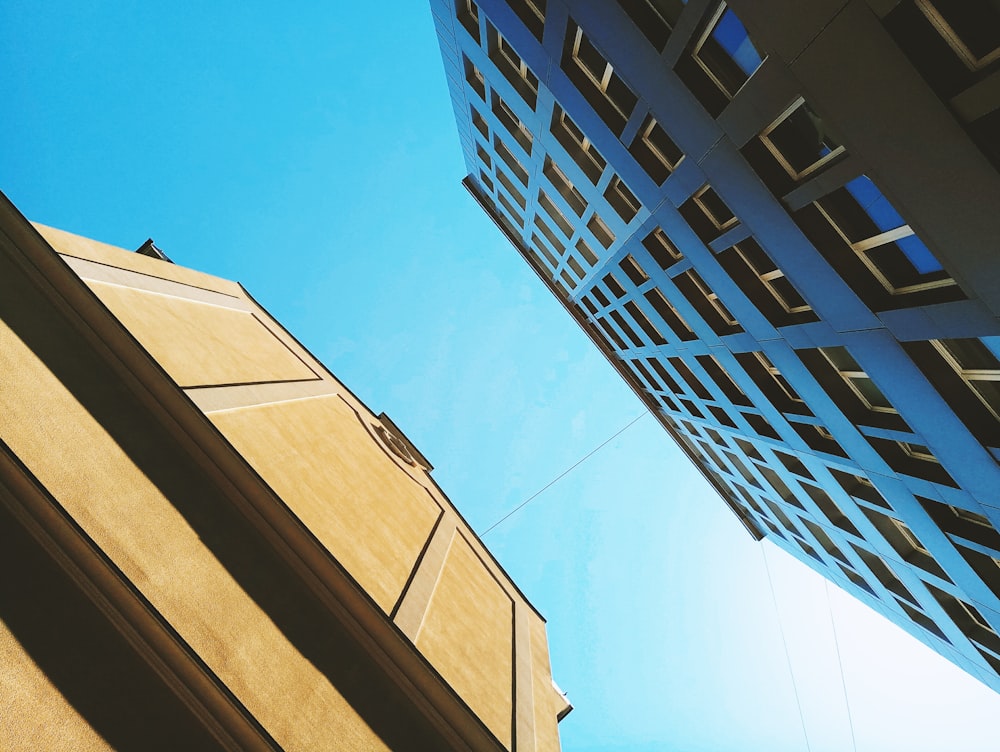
x=144 y=533
x=322 y=462
x=466 y=634
x=200 y=343
x=34 y=715
x=312 y=442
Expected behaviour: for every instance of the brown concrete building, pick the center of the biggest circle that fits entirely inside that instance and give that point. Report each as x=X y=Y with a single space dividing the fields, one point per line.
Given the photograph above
x=208 y=542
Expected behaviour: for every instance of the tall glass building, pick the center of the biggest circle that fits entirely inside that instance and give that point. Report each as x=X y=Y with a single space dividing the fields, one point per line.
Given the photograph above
x=779 y=221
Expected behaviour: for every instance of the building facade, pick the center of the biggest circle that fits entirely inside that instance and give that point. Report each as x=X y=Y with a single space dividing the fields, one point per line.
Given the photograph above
x=778 y=220
x=208 y=542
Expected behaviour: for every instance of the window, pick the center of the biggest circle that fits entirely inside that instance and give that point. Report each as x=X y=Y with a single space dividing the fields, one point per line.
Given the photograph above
x=829 y=509
x=585 y=251
x=707 y=303
x=654 y=18
x=577 y=145
x=696 y=385
x=601 y=232
x=908 y=536
x=855 y=578
x=468 y=15
x=480 y=123
x=485 y=181
x=917 y=451
x=564 y=187
x=714 y=208
x=911 y=458
x=483 y=156
x=660 y=247
x=664 y=375
x=539 y=246
x=971 y=29
x=513 y=68
x=904 y=542
x=955 y=45
x=511 y=210
x=654 y=150
x=825 y=542
x=645 y=324
x=774 y=279
x=819 y=438
x=859 y=487
x=629 y=332
x=622 y=200
x=884 y=574
x=613 y=285
x=474 y=77
x=531 y=13
x=722 y=378
x=612 y=334
x=977 y=365
x=596 y=79
x=800 y=141
x=777 y=379
x=633 y=271
x=973 y=517
x=724 y=51
x=669 y=314
x=512 y=123
x=859 y=382
x=510 y=160
x=707 y=214
x=547 y=231
x=875 y=231
x=511 y=188
x=553 y=211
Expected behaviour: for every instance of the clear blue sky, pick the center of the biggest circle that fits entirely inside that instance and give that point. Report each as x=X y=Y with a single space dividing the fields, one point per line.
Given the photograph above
x=312 y=155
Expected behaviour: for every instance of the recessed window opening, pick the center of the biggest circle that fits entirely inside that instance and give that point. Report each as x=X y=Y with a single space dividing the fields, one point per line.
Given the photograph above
x=977 y=365
x=531 y=13
x=661 y=248
x=601 y=232
x=553 y=211
x=858 y=381
x=577 y=145
x=774 y=279
x=800 y=140
x=513 y=67
x=655 y=151
x=622 y=200
x=882 y=240
x=969 y=28
x=715 y=209
x=512 y=123
x=724 y=51
x=468 y=15
x=511 y=188
x=510 y=160
x=564 y=187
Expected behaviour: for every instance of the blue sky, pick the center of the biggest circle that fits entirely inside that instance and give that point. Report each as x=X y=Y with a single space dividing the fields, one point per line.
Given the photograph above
x=311 y=155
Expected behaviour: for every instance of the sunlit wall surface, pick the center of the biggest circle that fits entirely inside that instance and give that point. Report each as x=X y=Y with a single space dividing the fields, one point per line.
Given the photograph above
x=778 y=220
x=211 y=543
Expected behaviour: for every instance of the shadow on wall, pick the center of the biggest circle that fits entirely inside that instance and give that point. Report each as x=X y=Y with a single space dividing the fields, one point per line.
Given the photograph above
x=90 y=663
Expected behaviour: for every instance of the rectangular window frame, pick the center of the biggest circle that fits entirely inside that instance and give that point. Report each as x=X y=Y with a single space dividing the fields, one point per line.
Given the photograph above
x=781 y=159
x=700 y=43
x=942 y=27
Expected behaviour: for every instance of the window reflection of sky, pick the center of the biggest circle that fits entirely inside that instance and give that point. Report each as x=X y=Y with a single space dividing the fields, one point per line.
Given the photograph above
x=732 y=36
x=886 y=218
